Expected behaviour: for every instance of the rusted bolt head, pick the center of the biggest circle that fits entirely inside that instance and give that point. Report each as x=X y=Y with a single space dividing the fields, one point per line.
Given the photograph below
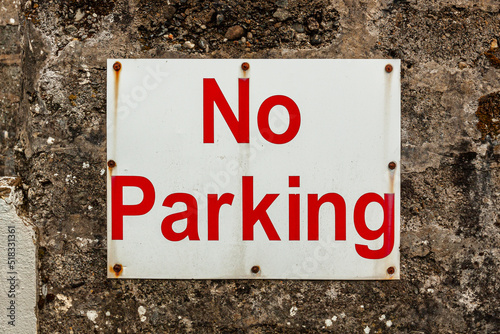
x=388 y=68
x=255 y=269
x=392 y=165
x=245 y=66
x=391 y=270
x=111 y=164
x=117 y=268
x=117 y=66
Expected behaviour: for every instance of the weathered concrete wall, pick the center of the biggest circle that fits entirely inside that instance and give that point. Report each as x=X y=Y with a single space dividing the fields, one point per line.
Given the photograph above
x=10 y=79
x=450 y=162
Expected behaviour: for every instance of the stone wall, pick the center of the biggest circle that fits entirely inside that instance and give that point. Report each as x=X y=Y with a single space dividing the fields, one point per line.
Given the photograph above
x=10 y=78
x=53 y=102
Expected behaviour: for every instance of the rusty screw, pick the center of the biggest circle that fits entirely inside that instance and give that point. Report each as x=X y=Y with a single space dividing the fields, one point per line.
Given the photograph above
x=111 y=164
x=392 y=165
x=117 y=268
x=245 y=66
x=255 y=269
x=388 y=68
x=391 y=270
x=117 y=66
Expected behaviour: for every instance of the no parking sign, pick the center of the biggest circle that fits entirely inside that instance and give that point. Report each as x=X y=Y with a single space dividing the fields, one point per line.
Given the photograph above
x=280 y=169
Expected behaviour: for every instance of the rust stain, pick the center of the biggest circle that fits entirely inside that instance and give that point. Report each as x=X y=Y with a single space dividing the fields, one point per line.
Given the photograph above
x=387 y=112
x=111 y=165
x=390 y=273
x=255 y=269
x=392 y=173
x=245 y=67
x=117 y=270
x=117 y=68
x=391 y=182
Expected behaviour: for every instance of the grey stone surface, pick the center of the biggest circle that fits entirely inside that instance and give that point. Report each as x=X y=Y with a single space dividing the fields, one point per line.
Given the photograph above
x=450 y=165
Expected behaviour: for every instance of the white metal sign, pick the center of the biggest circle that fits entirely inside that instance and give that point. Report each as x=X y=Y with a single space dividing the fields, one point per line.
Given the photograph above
x=279 y=169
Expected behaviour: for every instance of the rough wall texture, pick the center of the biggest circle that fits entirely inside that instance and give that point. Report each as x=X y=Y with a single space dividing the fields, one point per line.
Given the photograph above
x=450 y=159
x=10 y=79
